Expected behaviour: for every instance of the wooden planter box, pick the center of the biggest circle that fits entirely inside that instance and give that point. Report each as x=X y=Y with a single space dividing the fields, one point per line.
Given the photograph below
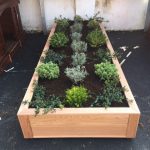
x=119 y=122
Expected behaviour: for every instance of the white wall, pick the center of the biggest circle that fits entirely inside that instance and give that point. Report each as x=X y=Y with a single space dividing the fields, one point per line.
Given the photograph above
x=121 y=14
x=84 y=8
x=30 y=15
x=55 y=8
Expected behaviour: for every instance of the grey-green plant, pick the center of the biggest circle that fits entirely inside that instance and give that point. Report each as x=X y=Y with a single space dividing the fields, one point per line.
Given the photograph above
x=104 y=55
x=77 y=96
x=78 y=19
x=79 y=46
x=76 y=36
x=54 y=57
x=107 y=72
x=48 y=70
x=96 y=38
x=78 y=59
x=76 y=27
x=76 y=74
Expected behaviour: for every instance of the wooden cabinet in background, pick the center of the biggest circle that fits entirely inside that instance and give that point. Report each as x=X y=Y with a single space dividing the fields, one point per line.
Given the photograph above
x=11 y=32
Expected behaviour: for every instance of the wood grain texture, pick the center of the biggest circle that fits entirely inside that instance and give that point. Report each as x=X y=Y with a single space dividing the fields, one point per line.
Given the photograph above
x=129 y=96
x=81 y=122
x=25 y=124
x=132 y=125
x=79 y=125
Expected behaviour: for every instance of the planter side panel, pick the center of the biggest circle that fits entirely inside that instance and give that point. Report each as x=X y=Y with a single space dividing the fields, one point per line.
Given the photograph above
x=82 y=125
x=25 y=126
x=133 y=125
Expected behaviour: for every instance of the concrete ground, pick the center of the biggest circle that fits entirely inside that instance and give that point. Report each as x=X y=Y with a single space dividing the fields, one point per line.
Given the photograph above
x=135 y=48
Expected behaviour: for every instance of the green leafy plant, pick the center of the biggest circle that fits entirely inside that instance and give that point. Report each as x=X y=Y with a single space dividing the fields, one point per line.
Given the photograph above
x=105 y=56
x=58 y=40
x=110 y=94
x=78 y=19
x=39 y=100
x=93 y=24
x=62 y=24
x=97 y=17
x=51 y=103
x=48 y=70
x=77 y=96
x=96 y=38
x=76 y=36
x=39 y=93
x=79 y=59
x=76 y=74
x=77 y=27
x=106 y=71
x=54 y=57
x=79 y=46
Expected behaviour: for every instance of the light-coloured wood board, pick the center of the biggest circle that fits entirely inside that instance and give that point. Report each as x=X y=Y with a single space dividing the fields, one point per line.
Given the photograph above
x=25 y=124
x=123 y=81
x=132 y=125
x=80 y=122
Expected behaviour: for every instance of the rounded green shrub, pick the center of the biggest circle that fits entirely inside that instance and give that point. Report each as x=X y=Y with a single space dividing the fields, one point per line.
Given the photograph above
x=77 y=96
x=106 y=71
x=96 y=38
x=93 y=24
x=58 y=40
x=78 y=19
x=62 y=24
x=48 y=71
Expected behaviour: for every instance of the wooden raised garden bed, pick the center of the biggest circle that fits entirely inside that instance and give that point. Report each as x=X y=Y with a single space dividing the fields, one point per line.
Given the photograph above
x=111 y=122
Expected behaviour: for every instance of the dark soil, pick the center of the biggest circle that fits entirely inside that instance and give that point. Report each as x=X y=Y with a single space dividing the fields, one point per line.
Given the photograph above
x=91 y=82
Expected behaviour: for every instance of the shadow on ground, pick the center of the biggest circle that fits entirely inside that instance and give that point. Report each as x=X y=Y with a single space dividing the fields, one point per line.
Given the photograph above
x=14 y=84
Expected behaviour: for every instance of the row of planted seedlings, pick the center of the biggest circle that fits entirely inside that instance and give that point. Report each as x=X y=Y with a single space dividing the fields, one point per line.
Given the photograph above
x=78 y=69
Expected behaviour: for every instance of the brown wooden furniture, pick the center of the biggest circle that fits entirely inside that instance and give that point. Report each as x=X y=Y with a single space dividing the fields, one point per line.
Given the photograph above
x=11 y=32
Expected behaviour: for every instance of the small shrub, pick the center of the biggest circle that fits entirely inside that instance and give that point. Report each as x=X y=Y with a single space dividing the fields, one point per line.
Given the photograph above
x=39 y=93
x=76 y=74
x=79 y=46
x=77 y=96
x=76 y=36
x=96 y=38
x=54 y=57
x=62 y=24
x=48 y=70
x=97 y=17
x=103 y=55
x=93 y=24
x=107 y=71
x=79 y=59
x=58 y=40
x=110 y=94
x=78 y=19
x=77 y=27
x=52 y=102
x=39 y=100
